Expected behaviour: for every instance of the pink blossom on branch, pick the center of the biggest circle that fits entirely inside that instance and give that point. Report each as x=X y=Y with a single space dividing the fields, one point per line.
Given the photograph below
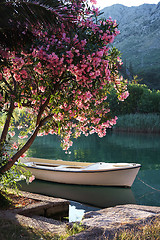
x=31 y=179
x=14 y=145
x=22 y=137
x=66 y=77
x=93 y=1
x=11 y=133
x=123 y=96
x=23 y=155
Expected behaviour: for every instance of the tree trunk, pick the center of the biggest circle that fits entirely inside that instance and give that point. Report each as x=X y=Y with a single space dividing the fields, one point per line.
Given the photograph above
x=27 y=145
x=7 y=123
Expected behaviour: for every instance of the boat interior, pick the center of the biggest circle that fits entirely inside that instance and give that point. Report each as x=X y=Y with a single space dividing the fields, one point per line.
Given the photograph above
x=73 y=166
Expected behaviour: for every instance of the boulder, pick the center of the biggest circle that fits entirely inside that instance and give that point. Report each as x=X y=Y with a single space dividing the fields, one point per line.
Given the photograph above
x=105 y=223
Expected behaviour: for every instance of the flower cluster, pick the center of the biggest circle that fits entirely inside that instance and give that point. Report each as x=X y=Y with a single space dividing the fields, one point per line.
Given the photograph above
x=66 y=76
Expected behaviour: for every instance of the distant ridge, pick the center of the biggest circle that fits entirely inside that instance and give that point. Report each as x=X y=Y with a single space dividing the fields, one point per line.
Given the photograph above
x=139 y=40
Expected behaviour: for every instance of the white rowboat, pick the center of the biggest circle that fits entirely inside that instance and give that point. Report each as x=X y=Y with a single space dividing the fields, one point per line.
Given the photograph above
x=83 y=173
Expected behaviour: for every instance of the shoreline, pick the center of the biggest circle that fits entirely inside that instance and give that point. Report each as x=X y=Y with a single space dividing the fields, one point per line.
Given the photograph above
x=104 y=223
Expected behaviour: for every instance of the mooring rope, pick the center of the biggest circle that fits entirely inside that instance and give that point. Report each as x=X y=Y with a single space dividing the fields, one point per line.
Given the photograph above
x=148 y=185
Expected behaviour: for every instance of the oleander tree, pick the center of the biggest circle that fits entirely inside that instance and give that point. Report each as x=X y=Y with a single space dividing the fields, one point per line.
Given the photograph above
x=57 y=67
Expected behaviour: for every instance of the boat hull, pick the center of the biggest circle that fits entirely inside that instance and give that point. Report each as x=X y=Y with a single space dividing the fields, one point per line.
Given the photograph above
x=113 y=177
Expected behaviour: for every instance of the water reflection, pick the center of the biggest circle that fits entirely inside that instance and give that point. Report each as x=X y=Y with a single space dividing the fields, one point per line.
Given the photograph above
x=82 y=198
x=92 y=195
x=146 y=187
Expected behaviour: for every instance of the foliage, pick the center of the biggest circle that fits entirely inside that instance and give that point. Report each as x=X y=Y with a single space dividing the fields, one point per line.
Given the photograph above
x=150 y=102
x=151 y=74
x=18 y=17
x=62 y=76
x=73 y=229
x=140 y=100
x=11 y=178
x=139 y=122
x=17 y=172
x=149 y=231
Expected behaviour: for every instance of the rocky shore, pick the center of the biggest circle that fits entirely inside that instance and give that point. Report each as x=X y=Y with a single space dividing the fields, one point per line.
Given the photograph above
x=99 y=225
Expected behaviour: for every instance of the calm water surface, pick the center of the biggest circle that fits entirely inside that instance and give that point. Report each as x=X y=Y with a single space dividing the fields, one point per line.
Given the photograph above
x=115 y=147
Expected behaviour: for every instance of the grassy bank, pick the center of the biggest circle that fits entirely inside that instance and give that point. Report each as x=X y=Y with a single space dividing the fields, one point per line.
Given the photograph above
x=147 y=123
x=9 y=231
x=13 y=231
x=150 y=231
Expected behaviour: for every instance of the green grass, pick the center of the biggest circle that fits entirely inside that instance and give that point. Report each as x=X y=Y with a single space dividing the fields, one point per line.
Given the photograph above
x=73 y=230
x=151 y=231
x=9 y=231
x=139 y=123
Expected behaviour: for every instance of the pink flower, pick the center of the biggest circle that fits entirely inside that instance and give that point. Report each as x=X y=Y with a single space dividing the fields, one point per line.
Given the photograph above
x=123 y=96
x=88 y=96
x=100 y=53
x=16 y=104
x=23 y=155
x=42 y=89
x=83 y=42
x=51 y=131
x=1 y=98
x=31 y=179
x=22 y=137
x=40 y=134
x=14 y=145
x=24 y=74
x=34 y=101
x=96 y=10
x=11 y=133
x=93 y=1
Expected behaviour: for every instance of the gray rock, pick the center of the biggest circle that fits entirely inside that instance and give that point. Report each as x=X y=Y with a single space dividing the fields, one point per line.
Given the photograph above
x=106 y=222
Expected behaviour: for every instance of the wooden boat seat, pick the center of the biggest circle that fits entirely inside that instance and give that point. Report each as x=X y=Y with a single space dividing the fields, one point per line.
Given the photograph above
x=57 y=166
x=45 y=164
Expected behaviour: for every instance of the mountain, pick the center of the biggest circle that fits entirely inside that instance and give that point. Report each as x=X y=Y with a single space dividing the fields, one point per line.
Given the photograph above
x=139 y=40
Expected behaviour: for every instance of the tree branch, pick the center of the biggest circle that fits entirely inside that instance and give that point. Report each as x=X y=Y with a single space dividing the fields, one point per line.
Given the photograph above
x=42 y=108
x=27 y=145
x=8 y=85
x=7 y=123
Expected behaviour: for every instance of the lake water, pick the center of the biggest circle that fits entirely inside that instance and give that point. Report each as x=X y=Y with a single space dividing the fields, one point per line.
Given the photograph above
x=115 y=147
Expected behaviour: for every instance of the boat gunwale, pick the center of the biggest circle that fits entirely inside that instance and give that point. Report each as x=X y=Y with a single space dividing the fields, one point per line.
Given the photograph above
x=86 y=171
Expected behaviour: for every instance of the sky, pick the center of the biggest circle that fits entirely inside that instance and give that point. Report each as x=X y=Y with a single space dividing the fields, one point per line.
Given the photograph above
x=105 y=3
